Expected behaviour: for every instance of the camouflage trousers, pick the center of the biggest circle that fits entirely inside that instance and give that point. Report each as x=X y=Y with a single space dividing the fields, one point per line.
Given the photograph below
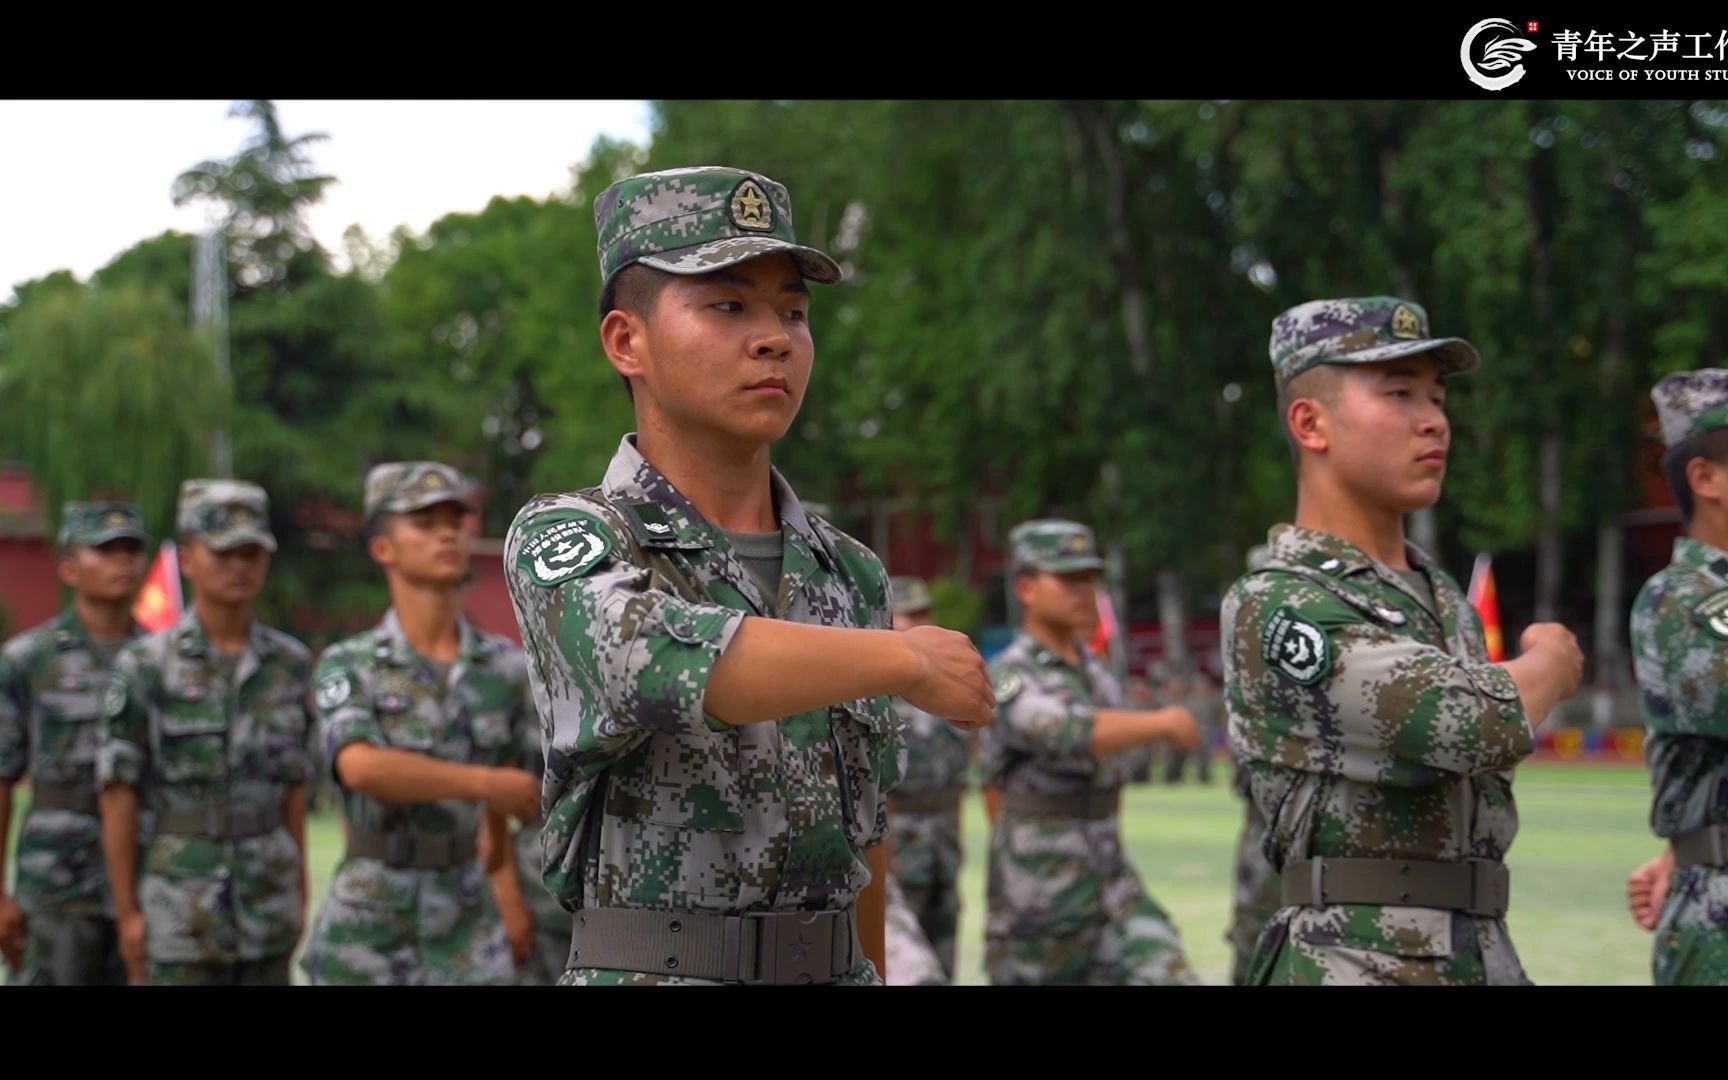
x=270 y=971
x=911 y=960
x=1692 y=937
x=1139 y=948
x=1368 y=945
x=65 y=949
x=551 y=922
x=1257 y=896
x=1067 y=908
x=927 y=857
x=387 y=927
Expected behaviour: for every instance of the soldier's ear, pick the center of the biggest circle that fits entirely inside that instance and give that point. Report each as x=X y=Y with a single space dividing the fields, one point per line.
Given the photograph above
x=622 y=335
x=382 y=549
x=1708 y=480
x=66 y=567
x=1308 y=423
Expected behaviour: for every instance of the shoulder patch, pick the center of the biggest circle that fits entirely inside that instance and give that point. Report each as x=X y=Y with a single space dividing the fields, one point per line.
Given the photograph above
x=565 y=546
x=334 y=690
x=1712 y=613
x=1007 y=687
x=1295 y=647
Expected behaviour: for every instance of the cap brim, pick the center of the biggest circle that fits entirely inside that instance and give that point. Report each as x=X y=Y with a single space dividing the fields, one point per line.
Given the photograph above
x=719 y=254
x=1454 y=355
x=911 y=609
x=1069 y=565
x=421 y=502
x=118 y=534
x=230 y=540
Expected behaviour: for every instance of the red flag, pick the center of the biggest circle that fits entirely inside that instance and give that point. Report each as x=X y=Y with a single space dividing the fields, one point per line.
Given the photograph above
x=1105 y=631
x=1486 y=600
x=159 y=601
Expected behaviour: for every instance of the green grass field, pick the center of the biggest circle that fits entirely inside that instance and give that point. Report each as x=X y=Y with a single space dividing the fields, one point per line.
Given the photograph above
x=1583 y=828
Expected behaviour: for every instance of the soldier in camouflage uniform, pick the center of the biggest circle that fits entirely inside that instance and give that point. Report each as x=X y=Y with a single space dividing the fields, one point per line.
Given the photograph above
x=924 y=811
x=1378 y=740
x=205 y=724
x=1065 y=904
x=1680 y=653
x=419 y=720
x=59 y=931
x=712 y=663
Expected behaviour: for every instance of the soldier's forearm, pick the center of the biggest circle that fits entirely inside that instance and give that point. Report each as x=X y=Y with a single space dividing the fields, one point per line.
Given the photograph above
x=774 y=668
x=1116 y=730
x=403 y=776
x=120 y=844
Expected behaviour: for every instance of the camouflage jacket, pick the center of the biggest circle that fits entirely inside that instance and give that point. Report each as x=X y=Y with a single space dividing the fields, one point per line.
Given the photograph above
x=1370 y=726
x=938 y=753
x=625 y=603
x=375 y=688
x=1680 y=653
x=51 y=684
x=1045 y=711
x=176 y=729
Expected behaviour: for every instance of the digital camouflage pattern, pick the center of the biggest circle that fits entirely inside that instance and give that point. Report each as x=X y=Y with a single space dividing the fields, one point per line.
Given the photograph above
x=551 y=922
x=182 y=732
x=385 y=925
x=1360 y=330
x=1054 y=545
x=225 y=514
x=402 y=487
x=1256 y=897
x=95 y=523
x=51 y=686
x=927 y=852
x=1066 y=905
x=626 y=597
x=698 y=220
x=1371 y=727
x=1680 y=653
x=1691 y=403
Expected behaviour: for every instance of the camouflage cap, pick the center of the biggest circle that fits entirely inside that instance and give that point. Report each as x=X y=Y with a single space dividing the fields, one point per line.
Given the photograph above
x=1691 y=403
x=910 y=594
x=1053 y=545
x=698 y=220
x=1360 y=330
x=93 y=523
x=1259 y=555
x=402 y=487
x=225 y=514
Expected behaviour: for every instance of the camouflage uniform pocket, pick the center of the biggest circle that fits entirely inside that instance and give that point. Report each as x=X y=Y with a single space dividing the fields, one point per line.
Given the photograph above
x=193 y=745
x=863 y=734
x=492 y=736
x=67 y=730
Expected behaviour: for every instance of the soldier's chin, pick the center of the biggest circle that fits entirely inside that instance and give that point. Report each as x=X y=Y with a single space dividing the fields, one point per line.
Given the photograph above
x=1417 y=495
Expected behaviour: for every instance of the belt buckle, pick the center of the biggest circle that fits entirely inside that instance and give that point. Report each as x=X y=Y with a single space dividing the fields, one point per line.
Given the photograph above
x=792 y=948
x=399 y=849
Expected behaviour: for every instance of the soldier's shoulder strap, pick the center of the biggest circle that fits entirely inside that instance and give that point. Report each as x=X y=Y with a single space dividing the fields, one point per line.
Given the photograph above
x=664 y=571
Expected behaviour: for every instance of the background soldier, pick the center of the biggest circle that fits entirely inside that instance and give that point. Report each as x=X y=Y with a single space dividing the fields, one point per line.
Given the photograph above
x=59 y=931
x=206 y=724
